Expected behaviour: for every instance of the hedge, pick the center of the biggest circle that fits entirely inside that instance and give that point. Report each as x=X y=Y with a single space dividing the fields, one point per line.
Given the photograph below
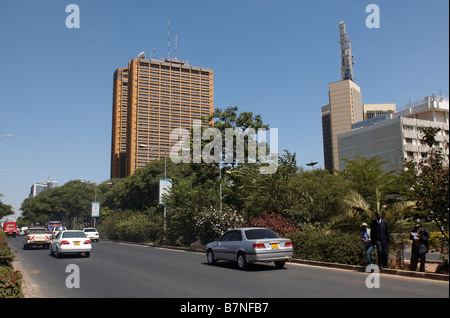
x=332 y=248
x=10 y=279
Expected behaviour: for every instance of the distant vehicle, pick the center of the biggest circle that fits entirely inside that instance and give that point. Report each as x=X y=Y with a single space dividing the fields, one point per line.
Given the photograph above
x=10 y=228
x=51 y=224
x=248 y=245
x=56 y=230
x=71 y=241
x=37 y=236
x=92 y=233
x=23 y=230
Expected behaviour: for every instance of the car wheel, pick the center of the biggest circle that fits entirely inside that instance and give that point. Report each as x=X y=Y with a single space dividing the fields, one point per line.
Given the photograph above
x=210 y=257
x=87 y=254
x=279 y=264
x=242 y=261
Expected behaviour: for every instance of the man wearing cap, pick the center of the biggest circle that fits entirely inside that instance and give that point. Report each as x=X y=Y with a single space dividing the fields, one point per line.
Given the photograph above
x=420 y=245
x=366 y=241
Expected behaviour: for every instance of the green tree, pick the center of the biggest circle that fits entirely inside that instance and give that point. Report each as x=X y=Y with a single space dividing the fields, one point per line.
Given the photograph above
x=366 y=175
x=427 y=181
x=69 y=203
x=5 y=209
x=359 y=210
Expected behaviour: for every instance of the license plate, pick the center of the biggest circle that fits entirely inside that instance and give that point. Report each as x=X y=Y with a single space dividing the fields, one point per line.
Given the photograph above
x=275 y=245
x=76 y=243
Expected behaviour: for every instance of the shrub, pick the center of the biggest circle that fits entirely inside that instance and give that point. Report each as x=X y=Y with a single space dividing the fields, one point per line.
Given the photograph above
x=211 y=223
x=275 y=222
x=10 y=280
x=10 y=283
x=332 y=248
x=6 y=255
x=131 y=226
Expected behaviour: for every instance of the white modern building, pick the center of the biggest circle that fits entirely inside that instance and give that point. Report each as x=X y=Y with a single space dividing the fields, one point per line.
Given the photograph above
x=38 y=187
x=397 y=137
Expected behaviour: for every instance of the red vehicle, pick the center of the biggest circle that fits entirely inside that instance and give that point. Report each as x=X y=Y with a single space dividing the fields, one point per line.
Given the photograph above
x=10 y=228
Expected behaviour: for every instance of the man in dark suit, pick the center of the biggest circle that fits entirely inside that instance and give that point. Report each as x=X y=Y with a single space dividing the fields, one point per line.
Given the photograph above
x=380 y=238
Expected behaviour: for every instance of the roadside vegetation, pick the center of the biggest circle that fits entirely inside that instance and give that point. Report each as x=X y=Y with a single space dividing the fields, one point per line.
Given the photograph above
x=320 y=211
x=10 y=279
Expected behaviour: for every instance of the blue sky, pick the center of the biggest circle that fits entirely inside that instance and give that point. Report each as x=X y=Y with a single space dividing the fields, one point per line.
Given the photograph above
x=274 y=58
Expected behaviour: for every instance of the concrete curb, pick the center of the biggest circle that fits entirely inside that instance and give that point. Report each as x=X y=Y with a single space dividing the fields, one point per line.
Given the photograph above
x=389 y=271
x=356 y=268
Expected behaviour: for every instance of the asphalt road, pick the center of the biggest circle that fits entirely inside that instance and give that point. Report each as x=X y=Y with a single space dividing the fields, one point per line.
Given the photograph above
x=134 y=271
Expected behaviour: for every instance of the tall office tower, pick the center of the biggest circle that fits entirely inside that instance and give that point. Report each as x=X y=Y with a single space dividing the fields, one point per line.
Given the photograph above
x=151 y=99
x=119 y=124
x=345 y=104
x=344 y=109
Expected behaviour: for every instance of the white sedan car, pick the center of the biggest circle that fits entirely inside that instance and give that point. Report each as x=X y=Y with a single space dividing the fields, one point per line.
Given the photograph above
x=71 y=241
x=92 y=233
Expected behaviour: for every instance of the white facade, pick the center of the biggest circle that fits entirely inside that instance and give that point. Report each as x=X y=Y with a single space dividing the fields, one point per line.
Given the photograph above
x=399 y=137
x=37 y=188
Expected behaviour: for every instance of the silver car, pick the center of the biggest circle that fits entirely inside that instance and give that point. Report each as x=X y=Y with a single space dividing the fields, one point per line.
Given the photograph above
x=248 y=245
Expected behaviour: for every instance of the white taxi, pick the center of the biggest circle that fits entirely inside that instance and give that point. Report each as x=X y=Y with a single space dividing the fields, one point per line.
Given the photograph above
x=71 y=241
x=92 y=233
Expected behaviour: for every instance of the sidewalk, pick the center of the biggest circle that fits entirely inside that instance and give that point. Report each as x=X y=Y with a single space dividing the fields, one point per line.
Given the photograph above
x=400 y=272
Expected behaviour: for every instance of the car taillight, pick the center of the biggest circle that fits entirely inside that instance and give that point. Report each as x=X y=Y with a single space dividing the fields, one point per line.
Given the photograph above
x=259 y=245
x=87 y=242
x=65 y=242
x=288 y=244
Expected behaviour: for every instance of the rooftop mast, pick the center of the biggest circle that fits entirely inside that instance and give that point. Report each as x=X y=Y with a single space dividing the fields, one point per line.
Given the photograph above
x=346 y=53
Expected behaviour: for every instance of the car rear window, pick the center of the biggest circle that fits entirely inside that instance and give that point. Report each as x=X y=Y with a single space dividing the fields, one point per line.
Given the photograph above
x=90 y=230
x=257 y=234
x=74 y=235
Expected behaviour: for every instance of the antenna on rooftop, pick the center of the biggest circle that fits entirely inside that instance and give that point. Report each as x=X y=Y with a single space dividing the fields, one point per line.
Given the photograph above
x=346 y=53
x=176 y=48
x=168 y=38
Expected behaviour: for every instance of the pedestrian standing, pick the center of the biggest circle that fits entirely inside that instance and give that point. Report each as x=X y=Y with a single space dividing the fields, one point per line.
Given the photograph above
x=419 y=247
x=380 y=238
x=367 y=243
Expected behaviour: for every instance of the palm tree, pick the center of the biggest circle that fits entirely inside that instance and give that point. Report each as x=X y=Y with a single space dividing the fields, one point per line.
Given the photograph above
x=359 y=210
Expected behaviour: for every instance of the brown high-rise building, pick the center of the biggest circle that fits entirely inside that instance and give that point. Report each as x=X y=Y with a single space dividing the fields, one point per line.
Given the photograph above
x=150 y=99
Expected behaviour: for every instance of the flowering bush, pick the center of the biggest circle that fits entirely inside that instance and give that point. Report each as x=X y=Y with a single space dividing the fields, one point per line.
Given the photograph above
x=211 y=223
x=10 y=283
x=10 y=280
x=275 y=222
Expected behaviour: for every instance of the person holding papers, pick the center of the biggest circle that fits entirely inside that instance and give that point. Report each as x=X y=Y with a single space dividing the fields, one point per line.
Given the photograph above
x=420 y=245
